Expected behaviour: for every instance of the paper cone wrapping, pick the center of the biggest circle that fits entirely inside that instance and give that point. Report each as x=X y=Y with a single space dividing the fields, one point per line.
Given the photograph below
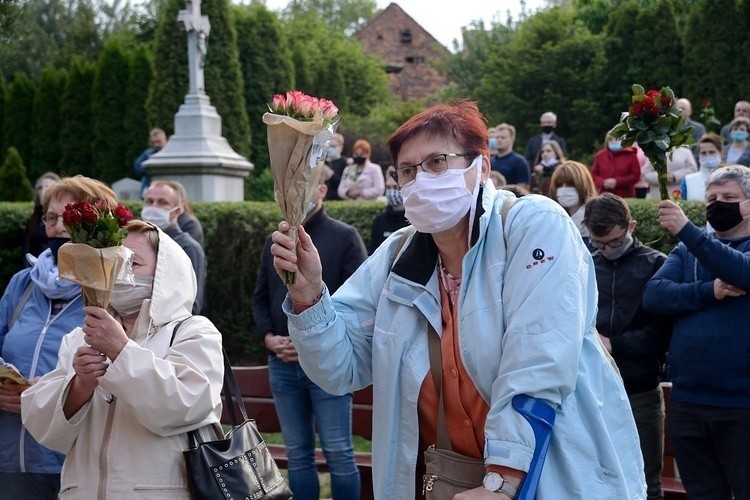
x=297 y=151
x=95 y=269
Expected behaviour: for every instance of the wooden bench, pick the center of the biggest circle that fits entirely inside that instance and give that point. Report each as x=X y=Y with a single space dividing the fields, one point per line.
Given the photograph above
x=671 y=483
x=258 y=400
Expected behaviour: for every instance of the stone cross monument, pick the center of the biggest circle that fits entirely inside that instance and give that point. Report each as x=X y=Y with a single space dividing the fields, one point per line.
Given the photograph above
x=197 y=155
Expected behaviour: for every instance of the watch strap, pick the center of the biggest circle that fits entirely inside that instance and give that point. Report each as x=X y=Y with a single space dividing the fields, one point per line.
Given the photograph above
x=508 y=489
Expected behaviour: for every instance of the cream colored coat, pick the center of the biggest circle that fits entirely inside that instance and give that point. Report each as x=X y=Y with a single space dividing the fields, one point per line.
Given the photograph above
x=132 y=446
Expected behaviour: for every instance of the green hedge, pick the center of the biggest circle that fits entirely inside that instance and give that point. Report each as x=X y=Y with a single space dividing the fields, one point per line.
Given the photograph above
x=235 y=233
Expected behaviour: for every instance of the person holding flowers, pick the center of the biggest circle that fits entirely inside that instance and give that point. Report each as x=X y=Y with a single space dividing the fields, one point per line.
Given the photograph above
x=363 y=179
x=704 y=285
x=37 y=309
x=509 y=287
x=132 y=380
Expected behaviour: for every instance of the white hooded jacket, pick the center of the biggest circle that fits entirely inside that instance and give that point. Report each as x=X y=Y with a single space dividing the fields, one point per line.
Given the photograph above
x=127 y=440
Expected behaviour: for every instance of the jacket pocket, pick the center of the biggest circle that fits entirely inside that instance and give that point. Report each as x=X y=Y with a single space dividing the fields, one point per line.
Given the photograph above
x=68 y=490
x=146 y=491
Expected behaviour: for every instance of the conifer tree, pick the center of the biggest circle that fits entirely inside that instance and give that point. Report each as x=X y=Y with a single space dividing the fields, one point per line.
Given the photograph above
x=710 y=37
x=267 y=69
x=19 y=115
x=109 y=103
x=657 y=51
x=136 y=121
x=222 y=73
x=75 y=111
x=14 y=184
x=46 y=125
x=3 y=99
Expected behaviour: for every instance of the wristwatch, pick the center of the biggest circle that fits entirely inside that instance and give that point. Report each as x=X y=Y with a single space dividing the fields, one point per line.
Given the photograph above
x=497 y=484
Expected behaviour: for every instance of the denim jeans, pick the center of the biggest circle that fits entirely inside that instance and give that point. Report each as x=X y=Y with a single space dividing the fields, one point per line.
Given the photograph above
x=302 y=407
x=15 y=485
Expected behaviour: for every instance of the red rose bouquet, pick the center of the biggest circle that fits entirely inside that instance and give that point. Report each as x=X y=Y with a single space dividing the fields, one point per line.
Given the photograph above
x=95 y=257
x=299 y=129
x=657 y=125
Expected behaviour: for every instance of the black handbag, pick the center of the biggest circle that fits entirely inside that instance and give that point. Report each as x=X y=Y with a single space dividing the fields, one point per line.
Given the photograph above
x=238 y=466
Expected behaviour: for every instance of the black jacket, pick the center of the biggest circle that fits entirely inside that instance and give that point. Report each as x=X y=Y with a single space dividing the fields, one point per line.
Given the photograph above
x=639 y=338
x=341 y=252
x=385 y=223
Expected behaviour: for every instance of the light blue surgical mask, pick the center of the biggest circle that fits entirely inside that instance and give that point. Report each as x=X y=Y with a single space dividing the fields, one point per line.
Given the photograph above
x=493 y=142
x=614 y=146
x=738 y=135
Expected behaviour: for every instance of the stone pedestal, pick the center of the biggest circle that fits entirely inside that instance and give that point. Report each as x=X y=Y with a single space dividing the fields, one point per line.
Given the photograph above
x=199 y=157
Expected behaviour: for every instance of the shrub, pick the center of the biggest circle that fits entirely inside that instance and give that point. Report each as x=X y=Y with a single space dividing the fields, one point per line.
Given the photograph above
x=235 y=234
x=14 y=184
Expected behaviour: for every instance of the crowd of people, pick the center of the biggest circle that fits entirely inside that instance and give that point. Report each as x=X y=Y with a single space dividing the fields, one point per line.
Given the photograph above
x=548 y=296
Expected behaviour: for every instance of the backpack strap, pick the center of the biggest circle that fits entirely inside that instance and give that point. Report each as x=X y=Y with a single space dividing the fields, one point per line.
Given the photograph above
x=177 y=327
x=24 y=298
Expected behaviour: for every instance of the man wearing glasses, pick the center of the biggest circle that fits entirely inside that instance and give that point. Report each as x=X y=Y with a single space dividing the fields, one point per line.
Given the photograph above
x=637 y=340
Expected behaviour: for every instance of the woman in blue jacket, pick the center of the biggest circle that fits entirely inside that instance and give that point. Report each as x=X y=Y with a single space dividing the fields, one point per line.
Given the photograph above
x=36 y=311
x=510 y=288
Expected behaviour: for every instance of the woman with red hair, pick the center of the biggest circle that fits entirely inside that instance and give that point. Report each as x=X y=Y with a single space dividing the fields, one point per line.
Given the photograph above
x=509 y=287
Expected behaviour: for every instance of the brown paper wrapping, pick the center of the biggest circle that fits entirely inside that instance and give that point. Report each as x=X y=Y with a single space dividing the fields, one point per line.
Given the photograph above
x=297 y=152
x=95 y=269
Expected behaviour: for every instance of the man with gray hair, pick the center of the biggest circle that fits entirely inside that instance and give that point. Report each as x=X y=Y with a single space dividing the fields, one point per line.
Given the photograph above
x=161 y=207
x=548 y=123
x=704 y=284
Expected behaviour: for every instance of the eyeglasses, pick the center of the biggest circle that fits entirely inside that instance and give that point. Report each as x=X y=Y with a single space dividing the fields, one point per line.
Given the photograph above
x=50 y=219
x=435 y=164
x=613 y=243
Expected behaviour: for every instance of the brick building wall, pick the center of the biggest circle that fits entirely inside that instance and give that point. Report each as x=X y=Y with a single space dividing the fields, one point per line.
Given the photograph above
x=408 y=51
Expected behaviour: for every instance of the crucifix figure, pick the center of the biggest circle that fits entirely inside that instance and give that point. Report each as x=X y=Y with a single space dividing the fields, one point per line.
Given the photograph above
x=198 y=28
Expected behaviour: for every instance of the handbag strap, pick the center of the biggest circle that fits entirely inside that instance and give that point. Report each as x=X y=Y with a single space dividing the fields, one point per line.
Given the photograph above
x=436 y=367
x=232 y=397
x=436 y=359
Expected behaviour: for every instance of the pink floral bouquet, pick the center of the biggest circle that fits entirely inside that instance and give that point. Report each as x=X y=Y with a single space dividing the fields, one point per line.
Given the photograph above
x=299 y=129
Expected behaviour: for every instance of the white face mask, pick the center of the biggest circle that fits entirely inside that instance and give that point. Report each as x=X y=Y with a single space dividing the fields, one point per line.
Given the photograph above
x=436 y=203
x=710 y=162
x=157 y=216
x=127 y=299
x=567 y=196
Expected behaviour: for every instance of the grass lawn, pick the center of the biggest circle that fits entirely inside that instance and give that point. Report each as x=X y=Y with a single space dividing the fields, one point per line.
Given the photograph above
x=360 y=444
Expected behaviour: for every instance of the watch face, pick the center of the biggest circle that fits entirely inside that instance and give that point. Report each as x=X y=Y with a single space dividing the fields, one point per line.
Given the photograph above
x=492 y=481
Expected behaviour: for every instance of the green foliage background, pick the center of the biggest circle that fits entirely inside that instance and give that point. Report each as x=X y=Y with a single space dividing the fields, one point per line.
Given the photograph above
x=75 y=130
x=14 y=185
x=109 y=105
x=235 y=234
x=46 y=125
x=19 y=115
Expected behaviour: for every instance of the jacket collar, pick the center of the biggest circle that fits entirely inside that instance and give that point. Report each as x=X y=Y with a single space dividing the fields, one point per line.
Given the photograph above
x=418 y=261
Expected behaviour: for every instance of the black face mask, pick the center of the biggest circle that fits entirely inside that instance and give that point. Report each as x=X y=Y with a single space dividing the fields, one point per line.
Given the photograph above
x=359 y=160
x=55 y=244
x=547 y=129
x=724 y=215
